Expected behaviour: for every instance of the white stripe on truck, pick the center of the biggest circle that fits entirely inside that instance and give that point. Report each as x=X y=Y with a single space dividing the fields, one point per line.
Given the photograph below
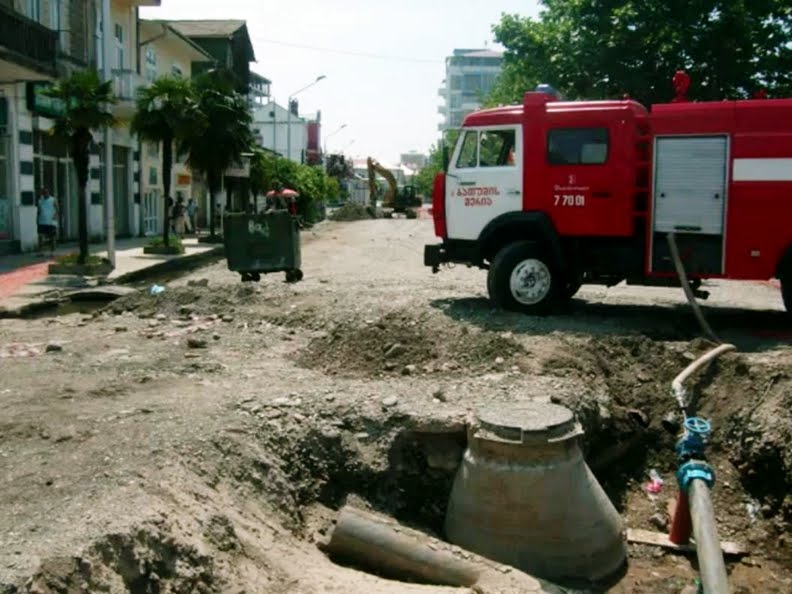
x=762 y=170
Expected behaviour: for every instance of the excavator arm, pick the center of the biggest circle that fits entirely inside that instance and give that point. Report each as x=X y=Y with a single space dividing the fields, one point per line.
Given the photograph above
x=389 y=199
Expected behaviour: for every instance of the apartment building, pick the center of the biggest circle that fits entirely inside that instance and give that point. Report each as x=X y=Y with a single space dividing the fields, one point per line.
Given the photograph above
x=41 y=40
x=470 y=76
x=164 y=51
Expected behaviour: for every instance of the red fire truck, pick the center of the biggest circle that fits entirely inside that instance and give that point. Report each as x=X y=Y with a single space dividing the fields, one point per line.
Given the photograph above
x=549 y=195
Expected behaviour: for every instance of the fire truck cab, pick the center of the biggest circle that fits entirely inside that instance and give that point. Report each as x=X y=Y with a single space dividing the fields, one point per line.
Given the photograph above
x=549 y=195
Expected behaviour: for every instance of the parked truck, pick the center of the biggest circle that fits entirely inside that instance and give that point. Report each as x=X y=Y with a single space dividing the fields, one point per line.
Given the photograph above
x=549 y=195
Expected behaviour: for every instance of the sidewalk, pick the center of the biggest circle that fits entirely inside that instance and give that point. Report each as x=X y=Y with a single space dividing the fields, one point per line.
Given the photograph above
x=24 y=278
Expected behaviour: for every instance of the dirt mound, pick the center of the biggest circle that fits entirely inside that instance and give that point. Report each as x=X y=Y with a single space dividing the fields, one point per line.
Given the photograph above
x=750 y=408
x=400 y=342
x=145 y=561
x=351 y=212
x=186 y=300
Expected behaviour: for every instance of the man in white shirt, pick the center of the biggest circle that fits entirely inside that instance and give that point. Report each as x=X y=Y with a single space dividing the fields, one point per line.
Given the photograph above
x=47 y=219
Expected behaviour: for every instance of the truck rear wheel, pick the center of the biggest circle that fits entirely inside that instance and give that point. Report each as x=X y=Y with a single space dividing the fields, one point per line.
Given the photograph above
x=523 y=278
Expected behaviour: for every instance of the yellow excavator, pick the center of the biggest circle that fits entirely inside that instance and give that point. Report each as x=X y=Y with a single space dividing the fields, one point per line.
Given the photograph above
x=393 y=201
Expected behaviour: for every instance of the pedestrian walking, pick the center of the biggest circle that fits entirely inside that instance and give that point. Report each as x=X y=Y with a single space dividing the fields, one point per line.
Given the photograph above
x=47 y=220
x=192 y=212
x=179 y=216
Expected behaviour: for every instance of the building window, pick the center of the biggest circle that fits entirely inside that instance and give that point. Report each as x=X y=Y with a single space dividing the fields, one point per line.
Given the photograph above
x=55 y=15
x=119 y=43
x=34 y=9
x=176 y=71
x=150 y=60
x=152 y=149
x=577 y=146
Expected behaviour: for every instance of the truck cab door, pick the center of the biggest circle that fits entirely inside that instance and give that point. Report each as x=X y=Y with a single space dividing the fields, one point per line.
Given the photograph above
x=484 y=179
x=589 y=177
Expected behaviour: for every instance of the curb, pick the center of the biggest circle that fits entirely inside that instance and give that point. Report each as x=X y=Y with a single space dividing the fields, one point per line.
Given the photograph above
x=31 y=308
x=183 y=263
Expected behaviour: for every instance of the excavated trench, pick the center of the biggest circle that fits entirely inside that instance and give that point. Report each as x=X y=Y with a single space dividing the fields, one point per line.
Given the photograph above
x=403 y=465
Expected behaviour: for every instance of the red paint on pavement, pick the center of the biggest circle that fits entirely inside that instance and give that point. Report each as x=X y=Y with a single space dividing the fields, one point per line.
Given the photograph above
x=12 y=282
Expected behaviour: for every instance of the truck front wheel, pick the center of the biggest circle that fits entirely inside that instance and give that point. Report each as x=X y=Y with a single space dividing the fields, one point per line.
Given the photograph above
x=523 y=278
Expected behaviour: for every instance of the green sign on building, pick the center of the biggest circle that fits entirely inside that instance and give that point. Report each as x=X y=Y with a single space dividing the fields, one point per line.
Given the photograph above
x=39 y=103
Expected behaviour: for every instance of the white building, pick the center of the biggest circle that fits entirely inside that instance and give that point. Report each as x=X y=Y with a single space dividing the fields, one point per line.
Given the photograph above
x=272 y=124
x=50 y=39
x=470 y=76
x=164 y=51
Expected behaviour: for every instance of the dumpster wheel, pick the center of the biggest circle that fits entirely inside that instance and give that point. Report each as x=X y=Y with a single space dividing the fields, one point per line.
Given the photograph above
x=294 y=275
x=250 y=276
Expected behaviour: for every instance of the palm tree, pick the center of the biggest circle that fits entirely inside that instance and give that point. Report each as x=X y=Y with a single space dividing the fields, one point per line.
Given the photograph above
x=86 y=104
x=224 y=135
x=166 y=110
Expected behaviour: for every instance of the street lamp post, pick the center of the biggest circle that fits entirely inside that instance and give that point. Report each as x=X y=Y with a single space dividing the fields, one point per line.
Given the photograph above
x=333 y=133
x=288 y=113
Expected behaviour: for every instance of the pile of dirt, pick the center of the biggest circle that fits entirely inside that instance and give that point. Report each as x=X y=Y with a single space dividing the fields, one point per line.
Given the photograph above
x=196 y=299
x=629 y=404
x=758 y=435
x=630 y=372
x=400 y=342
x=401 y=466
x=351 y=212
x=148 y=560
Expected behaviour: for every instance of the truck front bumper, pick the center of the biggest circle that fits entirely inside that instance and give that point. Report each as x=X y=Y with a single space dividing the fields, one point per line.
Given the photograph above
x=458 y=251
x=433 y=256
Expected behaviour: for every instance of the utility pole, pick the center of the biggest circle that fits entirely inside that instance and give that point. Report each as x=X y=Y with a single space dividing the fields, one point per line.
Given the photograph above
x=107 y=74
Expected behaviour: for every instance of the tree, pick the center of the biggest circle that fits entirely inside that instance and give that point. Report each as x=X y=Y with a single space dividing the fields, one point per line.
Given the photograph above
x=606 y=49
x=338 y=166
x=166 y=112
x=222 y=137
x=85 y=100
x=424 y=179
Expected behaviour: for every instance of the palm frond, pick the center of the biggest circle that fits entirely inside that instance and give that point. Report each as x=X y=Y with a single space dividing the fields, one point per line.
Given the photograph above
x=86 y=99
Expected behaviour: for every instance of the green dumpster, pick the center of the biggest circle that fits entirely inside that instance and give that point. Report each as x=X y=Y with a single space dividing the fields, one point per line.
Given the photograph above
x=257 y=244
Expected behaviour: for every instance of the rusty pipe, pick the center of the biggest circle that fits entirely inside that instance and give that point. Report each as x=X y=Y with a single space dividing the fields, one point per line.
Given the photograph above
x=712 y=567
x=377 y=542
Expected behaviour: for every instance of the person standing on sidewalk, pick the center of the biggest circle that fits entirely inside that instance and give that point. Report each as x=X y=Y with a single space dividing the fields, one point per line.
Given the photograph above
x=192 y=210
x=179 y=216
x=47 y=220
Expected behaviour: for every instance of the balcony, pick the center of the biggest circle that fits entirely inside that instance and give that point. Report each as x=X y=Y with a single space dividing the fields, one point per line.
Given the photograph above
x=27 y=48
x=125 y=86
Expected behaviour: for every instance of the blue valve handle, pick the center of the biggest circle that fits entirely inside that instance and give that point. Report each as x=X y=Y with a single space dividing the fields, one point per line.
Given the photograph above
x=698 y=426
x=694 y=441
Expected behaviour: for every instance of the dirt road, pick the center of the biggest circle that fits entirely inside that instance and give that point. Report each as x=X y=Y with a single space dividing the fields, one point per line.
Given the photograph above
x=199 y=441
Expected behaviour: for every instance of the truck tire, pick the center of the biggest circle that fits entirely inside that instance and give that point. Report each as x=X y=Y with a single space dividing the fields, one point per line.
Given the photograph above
x=522 y=277
x=786 y=292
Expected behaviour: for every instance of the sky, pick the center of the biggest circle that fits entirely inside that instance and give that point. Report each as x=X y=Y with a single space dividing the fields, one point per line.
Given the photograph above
x=384 y=62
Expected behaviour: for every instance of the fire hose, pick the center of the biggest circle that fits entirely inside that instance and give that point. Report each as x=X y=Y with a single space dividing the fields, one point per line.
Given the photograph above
x=695 y=476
